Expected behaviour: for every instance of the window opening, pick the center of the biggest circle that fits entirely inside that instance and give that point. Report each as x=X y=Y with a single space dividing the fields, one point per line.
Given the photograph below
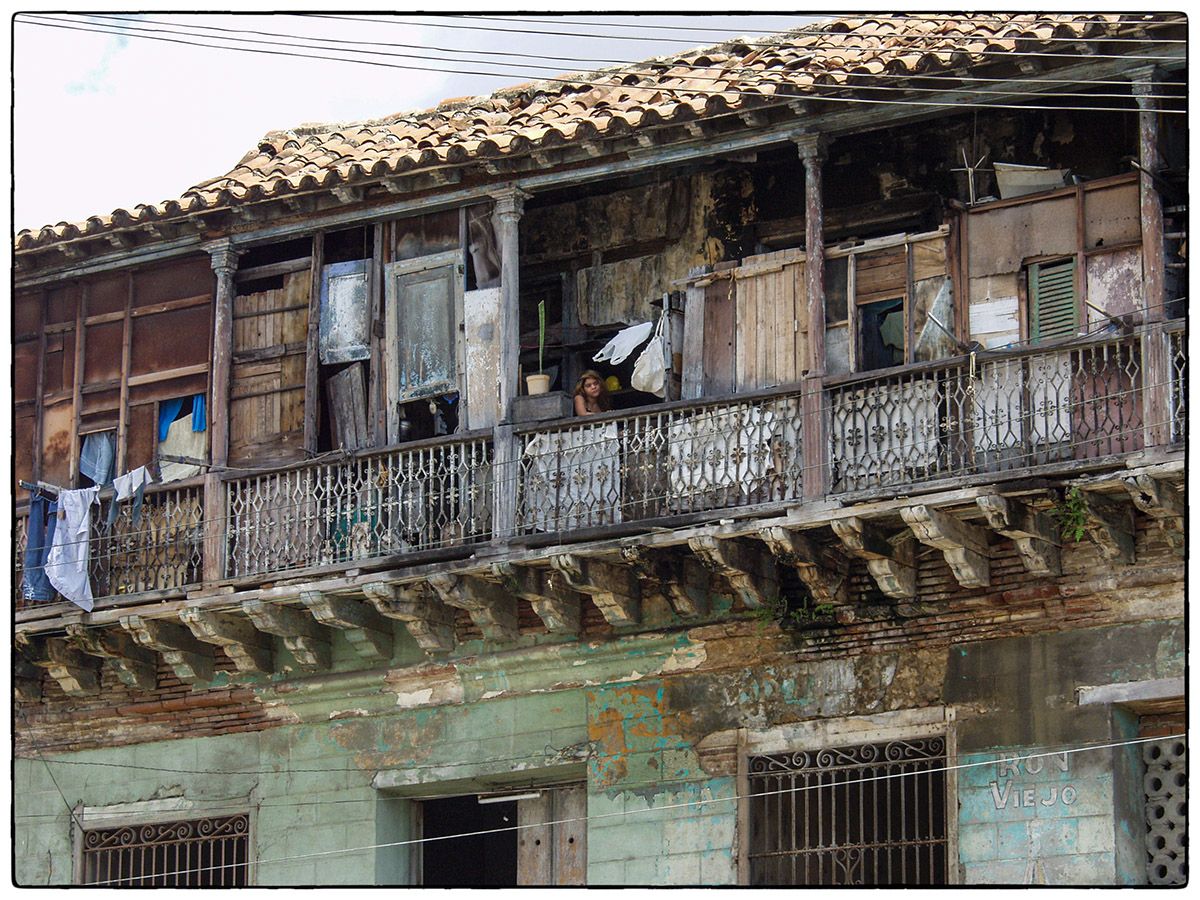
x=872 y=814
x=881 y=326
x=476 y=860
x=194 y=853
x=182 y=437
x=97 y=457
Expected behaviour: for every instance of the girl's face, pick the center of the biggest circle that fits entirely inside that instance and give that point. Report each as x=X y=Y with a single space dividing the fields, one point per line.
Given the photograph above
x=591 y=387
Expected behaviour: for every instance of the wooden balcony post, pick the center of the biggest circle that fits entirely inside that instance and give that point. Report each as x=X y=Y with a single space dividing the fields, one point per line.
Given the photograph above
x=814 y=436
x=510 y=203
x=1156 y=387
x=506 y=458
x=215 y=528
x=224 y=263
x=1150 y=159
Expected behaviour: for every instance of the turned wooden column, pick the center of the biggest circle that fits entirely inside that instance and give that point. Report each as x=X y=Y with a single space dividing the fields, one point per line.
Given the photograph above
x=510 y=203
x=224 y=263
x=1156 y=373
x=815 y=433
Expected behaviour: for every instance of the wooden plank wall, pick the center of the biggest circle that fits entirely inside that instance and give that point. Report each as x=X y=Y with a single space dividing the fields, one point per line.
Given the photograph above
x=100 y=354
x=771 y=327
x=266 y=410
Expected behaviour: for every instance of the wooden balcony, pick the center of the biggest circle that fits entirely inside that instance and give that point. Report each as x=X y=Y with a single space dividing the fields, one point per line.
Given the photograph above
x=1075 y=406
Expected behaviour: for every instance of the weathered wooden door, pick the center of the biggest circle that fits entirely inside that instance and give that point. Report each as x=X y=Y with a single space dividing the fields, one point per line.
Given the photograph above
x=771 y=328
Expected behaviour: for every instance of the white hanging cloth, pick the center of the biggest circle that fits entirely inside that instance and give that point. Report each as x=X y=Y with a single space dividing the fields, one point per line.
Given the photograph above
x=67 y=562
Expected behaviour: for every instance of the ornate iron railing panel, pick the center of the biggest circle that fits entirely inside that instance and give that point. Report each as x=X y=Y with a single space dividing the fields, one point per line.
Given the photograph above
x=873 y=814
x=997 y=413
x=195 y=853
x=20 y=542
x=160 y=547
x=660 y=463
x=1178 y=352
x=397 y=501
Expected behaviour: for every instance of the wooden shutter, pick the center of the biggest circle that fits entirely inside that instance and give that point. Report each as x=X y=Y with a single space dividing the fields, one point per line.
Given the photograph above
x=771 y=330
x=1053 y=311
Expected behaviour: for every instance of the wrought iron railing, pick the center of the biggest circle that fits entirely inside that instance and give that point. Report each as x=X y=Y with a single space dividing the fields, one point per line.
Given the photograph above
x=417 y=497
x=675 y=459
x=996 y=412
x=213 y=852
x=157 y=546
x=1178 y=353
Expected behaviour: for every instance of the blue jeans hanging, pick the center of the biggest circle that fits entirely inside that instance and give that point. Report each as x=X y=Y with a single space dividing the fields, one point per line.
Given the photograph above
x=43 y=514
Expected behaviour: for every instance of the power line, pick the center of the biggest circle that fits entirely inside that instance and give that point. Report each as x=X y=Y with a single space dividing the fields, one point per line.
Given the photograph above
x=628 y=68
x=610 y=85
x=658 y=809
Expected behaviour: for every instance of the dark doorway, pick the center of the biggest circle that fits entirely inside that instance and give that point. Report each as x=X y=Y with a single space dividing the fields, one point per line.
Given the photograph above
x=480 y=860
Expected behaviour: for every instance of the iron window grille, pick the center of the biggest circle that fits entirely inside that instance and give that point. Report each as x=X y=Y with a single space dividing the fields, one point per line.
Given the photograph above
x=872 y=814
x=209 y=852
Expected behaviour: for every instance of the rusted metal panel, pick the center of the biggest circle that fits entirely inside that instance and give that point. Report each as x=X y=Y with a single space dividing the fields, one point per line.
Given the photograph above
x=1112 y=215
x=24 y=370
x=181 y=278
x=102 y=359
x=62 y=302
x=24 y=434
x=57 y=424
x=1003 y=238
x=188 y=343
x=108 y=294
x=141 y=437
x=97 y=403
x=26 y=313
x=1114 y=283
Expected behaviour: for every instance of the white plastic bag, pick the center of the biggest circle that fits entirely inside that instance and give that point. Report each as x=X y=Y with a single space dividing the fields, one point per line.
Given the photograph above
x=650 y=370
x=623 y=343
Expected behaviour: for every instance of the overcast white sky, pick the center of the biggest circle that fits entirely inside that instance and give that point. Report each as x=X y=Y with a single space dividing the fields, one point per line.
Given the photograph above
x=102 y=121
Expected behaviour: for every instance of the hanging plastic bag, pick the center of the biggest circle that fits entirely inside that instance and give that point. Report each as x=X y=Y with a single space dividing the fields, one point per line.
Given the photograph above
x=623 y=343
x=650 y=370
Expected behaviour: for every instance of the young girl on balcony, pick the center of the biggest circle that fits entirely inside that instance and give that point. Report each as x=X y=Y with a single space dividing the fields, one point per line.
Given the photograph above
x=591 y=396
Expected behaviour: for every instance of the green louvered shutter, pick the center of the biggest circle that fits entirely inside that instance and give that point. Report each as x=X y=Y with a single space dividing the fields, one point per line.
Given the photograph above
x=1052 y=289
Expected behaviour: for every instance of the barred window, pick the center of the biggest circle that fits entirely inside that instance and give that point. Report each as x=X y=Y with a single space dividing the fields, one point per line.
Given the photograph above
x=872 y=814
x=194 y=853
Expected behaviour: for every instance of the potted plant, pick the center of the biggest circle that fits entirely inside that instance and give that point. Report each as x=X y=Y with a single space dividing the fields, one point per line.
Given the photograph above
x=539 y=383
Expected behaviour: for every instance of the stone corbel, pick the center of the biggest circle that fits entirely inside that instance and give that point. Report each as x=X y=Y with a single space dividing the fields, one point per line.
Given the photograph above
x=556 y=603
x=27 y=681
x=191 y=660
x=683 y=580
x=430 y=622
x=492 y=609
x=825 y=582
x=249 y=648
x=76 y=673
x=1162 y=503
x=749 y=570
x=307 y=641
x=1033 y=532
x=1110 y=525
x=964 y=545
x=891 y=561
x=135 y=666
x=614 y=589
x=367 y=632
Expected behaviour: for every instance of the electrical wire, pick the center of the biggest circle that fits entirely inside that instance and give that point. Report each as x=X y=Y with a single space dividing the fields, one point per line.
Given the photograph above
x=575 y=82
x=688 y=805
x=192 y=28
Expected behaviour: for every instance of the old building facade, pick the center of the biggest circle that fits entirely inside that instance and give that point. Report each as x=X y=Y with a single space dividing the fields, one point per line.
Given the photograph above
x=884 y=586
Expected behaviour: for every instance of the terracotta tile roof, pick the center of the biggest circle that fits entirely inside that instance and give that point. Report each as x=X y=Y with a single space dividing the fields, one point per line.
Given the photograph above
x=704 y=82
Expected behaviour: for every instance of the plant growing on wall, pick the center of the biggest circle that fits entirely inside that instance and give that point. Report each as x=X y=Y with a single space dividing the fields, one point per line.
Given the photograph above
x=1072 y=515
